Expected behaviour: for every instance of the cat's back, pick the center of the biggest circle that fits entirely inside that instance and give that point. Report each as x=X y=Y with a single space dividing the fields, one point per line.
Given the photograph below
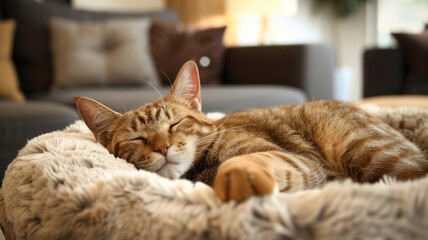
x=340 y=135
x=309 y=117
x=320 y=127
x=314 y=126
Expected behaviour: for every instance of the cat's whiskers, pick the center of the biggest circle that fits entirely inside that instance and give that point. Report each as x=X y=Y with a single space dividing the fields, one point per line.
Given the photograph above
x=207 y=141
x=226 y=130
x=207 y=159
x=121 y=102
x=169 y=80
x=197 y=146
x=205 y=149
x=203 y=139
x=218 y=126
x=160 y=95
x=211 y=133
x=211 y=151
x=203 y=153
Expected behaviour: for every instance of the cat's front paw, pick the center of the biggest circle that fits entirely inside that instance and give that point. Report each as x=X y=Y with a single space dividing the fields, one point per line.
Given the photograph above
x=241 y=179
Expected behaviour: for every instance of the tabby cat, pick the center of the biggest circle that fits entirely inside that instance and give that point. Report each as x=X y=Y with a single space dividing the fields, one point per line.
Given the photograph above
x=257 y=151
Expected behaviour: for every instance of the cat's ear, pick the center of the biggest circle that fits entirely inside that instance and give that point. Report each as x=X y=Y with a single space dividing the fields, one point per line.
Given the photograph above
x=187 y=85
x=97 y=117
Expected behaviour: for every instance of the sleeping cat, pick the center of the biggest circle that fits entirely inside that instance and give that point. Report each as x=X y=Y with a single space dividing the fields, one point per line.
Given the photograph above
x=257 y=151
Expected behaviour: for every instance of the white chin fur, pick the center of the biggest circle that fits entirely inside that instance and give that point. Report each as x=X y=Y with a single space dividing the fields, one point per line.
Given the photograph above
x=177 y=164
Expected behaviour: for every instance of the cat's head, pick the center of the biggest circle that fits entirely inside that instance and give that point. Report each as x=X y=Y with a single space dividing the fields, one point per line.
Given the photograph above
x=166 y=136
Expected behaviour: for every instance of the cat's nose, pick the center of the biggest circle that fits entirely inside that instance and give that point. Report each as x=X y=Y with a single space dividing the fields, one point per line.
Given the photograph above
x=162 y=148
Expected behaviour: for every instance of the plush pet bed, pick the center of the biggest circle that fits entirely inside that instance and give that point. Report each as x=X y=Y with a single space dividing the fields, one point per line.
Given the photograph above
x=64 y=185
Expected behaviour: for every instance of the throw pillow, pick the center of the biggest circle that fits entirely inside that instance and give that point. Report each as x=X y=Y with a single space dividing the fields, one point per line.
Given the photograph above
x=9 y=84
x=107 y=53
x=32 y=52
x=415 y=47
x=173 y=44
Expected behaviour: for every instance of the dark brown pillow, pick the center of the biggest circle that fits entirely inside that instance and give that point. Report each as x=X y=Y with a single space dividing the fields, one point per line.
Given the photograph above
x=415 y=47
x=173 y=44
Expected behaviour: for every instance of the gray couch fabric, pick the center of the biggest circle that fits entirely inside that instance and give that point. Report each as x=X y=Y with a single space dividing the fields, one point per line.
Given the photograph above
x=214 y=98
x=19 y=122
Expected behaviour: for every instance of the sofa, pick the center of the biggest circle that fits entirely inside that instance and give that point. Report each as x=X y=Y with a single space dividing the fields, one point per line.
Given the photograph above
x=401 y=70
x=383 y=67
x=247 y=77
x=397 y=76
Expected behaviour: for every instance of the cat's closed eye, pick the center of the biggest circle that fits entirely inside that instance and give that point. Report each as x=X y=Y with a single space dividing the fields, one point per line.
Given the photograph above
x=175 y=124
x=139 y=139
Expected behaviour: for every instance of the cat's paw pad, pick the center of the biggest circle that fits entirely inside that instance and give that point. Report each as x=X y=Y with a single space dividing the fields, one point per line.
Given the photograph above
x=241 y=180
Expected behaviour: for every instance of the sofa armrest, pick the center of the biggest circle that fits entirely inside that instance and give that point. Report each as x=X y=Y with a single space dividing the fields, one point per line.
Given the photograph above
x=384 y=71
x=309 y=67
x=20 y=122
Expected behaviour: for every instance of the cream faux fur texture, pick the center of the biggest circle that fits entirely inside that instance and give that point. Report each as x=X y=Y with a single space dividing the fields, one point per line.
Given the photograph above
x=64 y=185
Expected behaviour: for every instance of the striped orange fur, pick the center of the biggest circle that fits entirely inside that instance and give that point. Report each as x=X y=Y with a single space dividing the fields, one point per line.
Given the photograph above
x=256 y=151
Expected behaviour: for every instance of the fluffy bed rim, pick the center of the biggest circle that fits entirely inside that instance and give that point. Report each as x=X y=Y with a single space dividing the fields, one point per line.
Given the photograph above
x=64 y=185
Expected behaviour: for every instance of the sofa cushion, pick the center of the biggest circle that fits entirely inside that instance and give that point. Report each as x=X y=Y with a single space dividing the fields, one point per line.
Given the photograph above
x=415 y=47
x=383 y=67
x=9 y=85
x=113 y=52
x=214 y=98
x=32 y=43
x=20 y=122
x=173 y=44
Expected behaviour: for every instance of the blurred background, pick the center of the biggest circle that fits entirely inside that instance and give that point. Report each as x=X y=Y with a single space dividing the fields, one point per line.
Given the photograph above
x=250 y=54
x=349 y=25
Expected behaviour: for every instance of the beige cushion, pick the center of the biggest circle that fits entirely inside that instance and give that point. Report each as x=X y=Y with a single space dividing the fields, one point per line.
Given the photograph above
x=114 y=52
x=9 y=84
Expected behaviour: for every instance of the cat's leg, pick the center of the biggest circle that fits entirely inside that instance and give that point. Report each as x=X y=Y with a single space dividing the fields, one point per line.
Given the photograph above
x=263 y=173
